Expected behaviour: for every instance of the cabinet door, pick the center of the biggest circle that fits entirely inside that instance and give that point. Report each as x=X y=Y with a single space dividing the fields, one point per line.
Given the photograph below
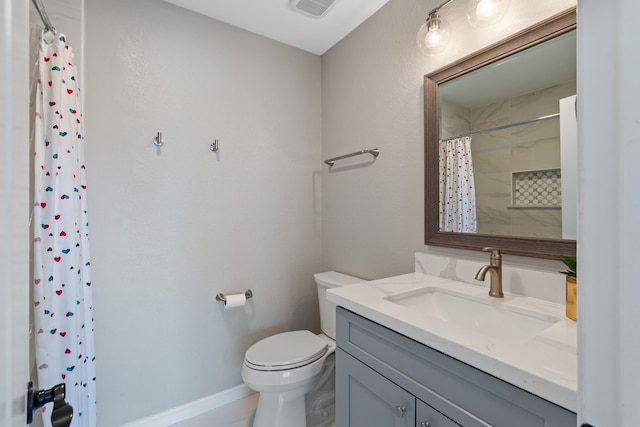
x=426 y=416
x=367 y=399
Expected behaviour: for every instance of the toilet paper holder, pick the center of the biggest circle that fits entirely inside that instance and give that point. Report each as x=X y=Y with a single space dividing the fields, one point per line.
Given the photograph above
x=247 y=294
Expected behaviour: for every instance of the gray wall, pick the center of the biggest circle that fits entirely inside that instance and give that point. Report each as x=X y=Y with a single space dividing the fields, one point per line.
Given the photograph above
x=172 y=227
x=372 y=96
x=372 y=218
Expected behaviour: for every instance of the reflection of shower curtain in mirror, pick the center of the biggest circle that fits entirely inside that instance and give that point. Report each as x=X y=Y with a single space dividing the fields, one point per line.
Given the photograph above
x=63 y=315
x=457 y=189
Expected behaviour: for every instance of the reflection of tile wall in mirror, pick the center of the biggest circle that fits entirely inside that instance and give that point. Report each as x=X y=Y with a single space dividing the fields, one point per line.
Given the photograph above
x=497 y=154
x=491 y=152
x=540 y=102
x=492 y=115
x=536 y=146
x=493 y=195
x=537 y=222
x=493 y=216
x=455 y=120
x=492 y=177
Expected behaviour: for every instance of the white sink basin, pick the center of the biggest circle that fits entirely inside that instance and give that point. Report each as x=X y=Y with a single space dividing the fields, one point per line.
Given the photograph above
x=486 y=316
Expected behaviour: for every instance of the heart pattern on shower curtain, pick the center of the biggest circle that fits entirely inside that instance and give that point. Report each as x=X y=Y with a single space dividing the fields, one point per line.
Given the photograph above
x=63 y=312
x=457 y=194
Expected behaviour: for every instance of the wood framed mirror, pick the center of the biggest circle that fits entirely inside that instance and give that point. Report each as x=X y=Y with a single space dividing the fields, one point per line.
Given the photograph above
x=535 y=243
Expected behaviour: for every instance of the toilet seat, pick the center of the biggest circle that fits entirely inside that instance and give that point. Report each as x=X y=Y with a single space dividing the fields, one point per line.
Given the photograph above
x=285 y=351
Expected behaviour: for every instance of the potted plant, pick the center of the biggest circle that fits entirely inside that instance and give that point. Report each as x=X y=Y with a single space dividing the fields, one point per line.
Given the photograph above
x=571 y=282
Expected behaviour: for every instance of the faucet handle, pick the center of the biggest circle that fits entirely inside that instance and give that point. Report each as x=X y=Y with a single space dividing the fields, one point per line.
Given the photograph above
x=495 y=252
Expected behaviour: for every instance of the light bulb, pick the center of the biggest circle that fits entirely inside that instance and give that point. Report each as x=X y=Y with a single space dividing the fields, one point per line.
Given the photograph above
x=483 y=13
x=432 y=39
x=433 y=36
x=485 y=9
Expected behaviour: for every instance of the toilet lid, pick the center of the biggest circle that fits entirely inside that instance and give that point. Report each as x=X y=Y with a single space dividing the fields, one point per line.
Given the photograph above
x=286 y=351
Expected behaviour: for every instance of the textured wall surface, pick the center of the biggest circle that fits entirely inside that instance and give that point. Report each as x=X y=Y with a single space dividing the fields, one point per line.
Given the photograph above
x=173 y=226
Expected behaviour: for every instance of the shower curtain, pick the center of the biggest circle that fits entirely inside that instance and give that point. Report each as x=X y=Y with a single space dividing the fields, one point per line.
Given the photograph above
x=457 y=188
x=63 y=316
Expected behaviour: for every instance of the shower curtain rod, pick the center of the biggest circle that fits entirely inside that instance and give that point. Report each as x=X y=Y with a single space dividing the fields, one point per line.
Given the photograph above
x=526 y=122
x=43 y=15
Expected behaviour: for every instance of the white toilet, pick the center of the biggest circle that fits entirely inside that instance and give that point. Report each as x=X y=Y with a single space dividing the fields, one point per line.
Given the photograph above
x=285 y=367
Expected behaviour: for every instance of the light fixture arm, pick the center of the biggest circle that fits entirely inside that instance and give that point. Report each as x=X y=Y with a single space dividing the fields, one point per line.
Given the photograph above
x=437 y=9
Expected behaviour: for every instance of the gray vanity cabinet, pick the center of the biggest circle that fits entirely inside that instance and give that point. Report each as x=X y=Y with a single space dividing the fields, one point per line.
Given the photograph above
x=386 y=379
x=373 y=399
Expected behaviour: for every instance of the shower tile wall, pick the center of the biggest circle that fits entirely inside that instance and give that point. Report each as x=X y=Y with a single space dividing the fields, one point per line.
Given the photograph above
x=497 y=155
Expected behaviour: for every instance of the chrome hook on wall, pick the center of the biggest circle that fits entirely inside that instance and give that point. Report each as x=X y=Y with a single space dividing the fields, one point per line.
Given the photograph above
x=157 y=140
x=215 y=146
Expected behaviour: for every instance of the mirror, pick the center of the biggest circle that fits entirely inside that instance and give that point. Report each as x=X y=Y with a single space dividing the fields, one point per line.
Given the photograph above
x=516 y=189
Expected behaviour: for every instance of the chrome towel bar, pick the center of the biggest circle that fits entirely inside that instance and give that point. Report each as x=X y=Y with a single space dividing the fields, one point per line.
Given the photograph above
x=373 y=152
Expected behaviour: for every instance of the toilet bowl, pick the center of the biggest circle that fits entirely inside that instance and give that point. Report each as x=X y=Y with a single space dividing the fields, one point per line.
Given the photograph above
x=285 y=367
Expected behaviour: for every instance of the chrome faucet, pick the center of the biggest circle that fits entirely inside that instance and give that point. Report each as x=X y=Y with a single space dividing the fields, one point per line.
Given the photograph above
x=495 y=270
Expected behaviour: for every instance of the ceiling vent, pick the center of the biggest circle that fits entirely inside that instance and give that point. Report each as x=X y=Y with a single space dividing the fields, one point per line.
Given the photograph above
x=313 y=8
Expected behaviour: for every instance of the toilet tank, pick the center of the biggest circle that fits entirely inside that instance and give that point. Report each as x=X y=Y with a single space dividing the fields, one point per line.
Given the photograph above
x=325 y=281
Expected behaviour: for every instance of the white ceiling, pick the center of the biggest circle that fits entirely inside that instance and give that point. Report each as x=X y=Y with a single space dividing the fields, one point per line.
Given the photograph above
x=277 y=20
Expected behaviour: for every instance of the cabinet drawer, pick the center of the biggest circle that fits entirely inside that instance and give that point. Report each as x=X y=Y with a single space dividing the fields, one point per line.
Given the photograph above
x=426 y=416
x=470 y=397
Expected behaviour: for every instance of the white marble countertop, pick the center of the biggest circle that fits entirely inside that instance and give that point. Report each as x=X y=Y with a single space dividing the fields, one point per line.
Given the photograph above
x=544 y=364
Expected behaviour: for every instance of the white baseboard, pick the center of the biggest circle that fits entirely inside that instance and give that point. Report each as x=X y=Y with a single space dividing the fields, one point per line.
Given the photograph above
x=193 y=409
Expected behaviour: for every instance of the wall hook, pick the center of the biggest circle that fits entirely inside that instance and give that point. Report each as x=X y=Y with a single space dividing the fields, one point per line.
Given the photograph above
x=214 y=146
x=157 y=141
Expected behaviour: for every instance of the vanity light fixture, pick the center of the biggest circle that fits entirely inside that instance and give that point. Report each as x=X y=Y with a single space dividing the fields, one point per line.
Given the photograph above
x=483 y=13
x=433 y=36
x=435 y=33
